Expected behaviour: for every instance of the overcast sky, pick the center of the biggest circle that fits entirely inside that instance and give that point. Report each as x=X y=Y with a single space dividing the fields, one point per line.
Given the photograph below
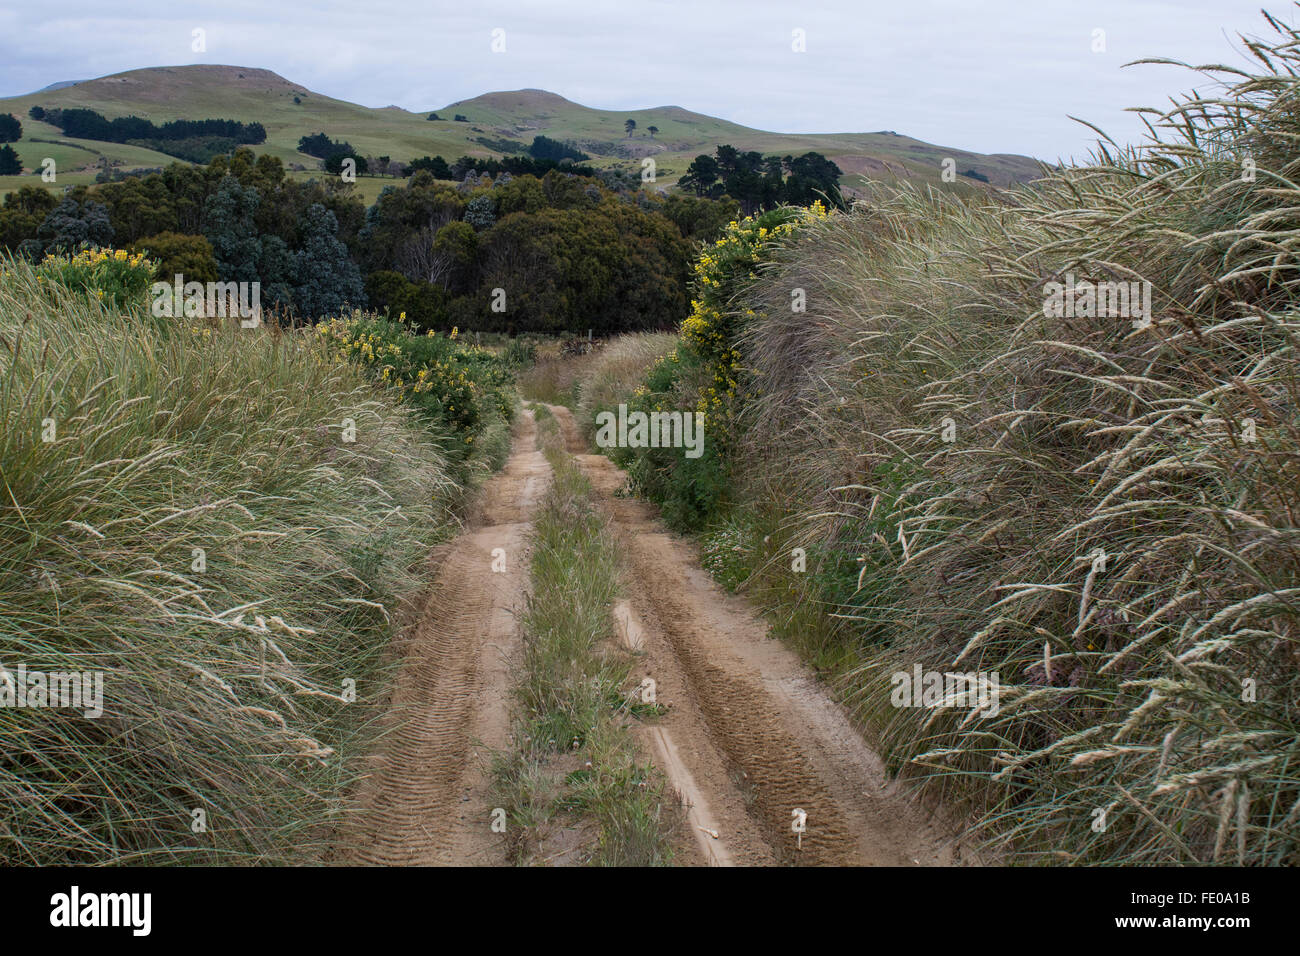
x=987 y=75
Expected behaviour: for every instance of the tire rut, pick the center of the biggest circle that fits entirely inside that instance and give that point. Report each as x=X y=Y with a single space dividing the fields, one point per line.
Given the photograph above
x=764 y=735
x=424 y=802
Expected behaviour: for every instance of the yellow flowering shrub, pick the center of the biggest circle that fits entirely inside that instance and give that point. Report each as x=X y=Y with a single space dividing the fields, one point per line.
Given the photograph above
x=462 y=385
x=114 y=276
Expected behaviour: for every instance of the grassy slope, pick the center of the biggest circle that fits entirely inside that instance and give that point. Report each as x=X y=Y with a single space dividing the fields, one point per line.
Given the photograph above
x=246 y=94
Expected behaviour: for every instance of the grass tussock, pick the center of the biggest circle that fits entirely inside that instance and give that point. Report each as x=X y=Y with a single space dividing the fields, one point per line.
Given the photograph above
x=1099 y=506
x=221 y=521
x=575 y=761
x=615 y=371
x=1100 y=510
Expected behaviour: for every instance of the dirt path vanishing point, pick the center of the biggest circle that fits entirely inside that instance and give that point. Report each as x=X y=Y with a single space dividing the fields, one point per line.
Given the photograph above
x=750 y=736
x=424 y=796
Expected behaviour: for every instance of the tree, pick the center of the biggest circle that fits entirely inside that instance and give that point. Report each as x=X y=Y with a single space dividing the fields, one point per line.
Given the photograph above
x=543 y=147
x=434 y=164
x=322 y=147
x=10 y=164
x=433 y=116
x=37 y=112
x=334 y=164
x=327 y=279
x=701 y=175
x=630 y=126
x=456 y=245
x=652 y=130
x=228 y=224
x=11 y=131
x=176 y=253
x=481 y=212
x=71 y=225
x=22 y=214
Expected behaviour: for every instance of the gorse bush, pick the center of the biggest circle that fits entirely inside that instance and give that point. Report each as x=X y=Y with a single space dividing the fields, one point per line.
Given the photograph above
x=464 y=388
x=1097 y=505
x=703 y=374
x=222 y=524
x=117 y=277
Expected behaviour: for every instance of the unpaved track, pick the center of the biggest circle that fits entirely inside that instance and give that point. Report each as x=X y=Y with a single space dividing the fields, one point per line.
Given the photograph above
x=424 y=799
x=751 y=731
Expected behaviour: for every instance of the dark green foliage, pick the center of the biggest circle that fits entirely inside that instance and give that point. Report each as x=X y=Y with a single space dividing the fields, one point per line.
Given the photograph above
x=193 y=140
x=11 y=130
x=228 y=225
x=10 y=164
x=516 y=166
x=177 y=254
x=422 y=304
x=71 y=225
x=436 y=165
x=327 y=279
x=544 y=147
x=22 y=213
x=568 y=253
x=759 y=182
x=322 y=147
x=481 y=212
x=334 y=163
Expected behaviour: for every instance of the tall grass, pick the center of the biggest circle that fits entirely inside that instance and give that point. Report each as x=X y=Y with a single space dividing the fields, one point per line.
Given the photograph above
x=612 y=373
x=1112 y=528
x=200 y=530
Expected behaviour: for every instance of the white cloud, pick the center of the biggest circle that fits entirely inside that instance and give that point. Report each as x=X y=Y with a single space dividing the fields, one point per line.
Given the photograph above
x=994 y=76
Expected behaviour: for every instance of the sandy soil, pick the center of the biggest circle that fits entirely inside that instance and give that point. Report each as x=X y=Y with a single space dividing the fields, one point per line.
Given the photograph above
x=750 y=734
x=750 y=739
x=424 y=799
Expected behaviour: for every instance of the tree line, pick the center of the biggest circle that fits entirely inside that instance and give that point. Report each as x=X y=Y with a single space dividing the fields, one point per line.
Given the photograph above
x=497 y=251
x=192 y=140
x=760 y=182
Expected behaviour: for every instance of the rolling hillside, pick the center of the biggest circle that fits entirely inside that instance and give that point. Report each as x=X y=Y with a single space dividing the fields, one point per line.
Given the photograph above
x=247 y=94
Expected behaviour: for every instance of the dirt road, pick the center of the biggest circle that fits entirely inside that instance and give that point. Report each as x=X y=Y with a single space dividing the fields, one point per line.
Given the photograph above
x=424 y=797
x=749 y=732
x=752 y=743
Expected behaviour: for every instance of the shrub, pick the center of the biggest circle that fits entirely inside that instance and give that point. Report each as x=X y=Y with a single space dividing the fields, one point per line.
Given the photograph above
x=115 y=276
x=463 y=387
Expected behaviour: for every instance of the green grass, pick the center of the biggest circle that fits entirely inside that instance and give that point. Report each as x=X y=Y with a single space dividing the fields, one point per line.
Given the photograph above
x=192 y=92
x=198 y=530
x=575 y=763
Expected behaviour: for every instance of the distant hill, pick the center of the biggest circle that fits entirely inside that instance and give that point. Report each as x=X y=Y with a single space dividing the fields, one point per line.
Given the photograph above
x=58 y=86
x=506 y=120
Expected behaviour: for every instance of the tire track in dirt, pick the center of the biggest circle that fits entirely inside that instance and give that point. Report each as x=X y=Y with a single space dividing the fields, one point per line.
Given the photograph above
x=759 y=735
x=425 y=799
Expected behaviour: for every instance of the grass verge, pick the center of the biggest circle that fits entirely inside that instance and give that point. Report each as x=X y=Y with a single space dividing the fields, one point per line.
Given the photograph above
x=221 y=523
x=574 y=787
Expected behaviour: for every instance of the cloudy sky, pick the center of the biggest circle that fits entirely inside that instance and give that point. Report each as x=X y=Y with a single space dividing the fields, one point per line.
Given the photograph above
x=989 y=75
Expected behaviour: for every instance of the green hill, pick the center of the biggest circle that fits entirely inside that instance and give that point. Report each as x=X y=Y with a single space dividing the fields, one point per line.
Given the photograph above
x=289 y=111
